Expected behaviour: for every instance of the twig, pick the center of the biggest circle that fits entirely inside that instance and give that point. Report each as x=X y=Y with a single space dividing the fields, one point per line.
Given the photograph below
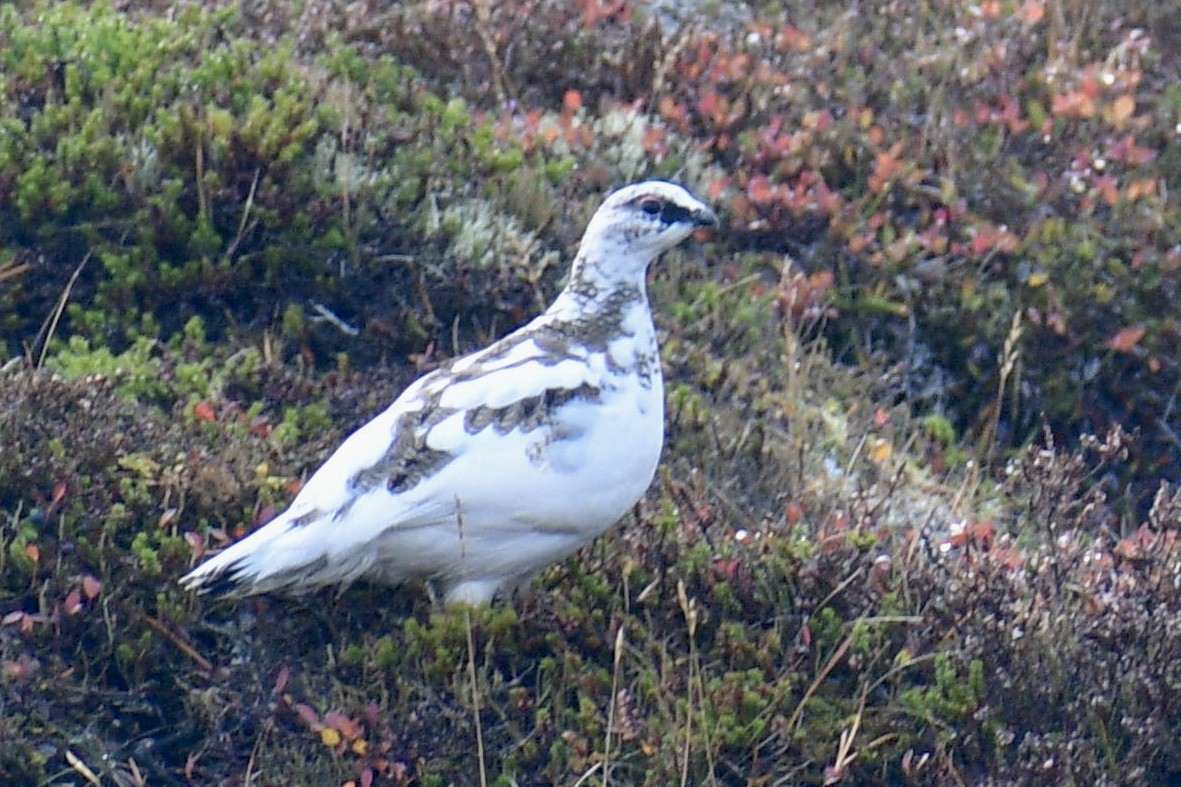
x=202 y=196
x=57 y=312
x=248 y=777
x=471 y=669
x=327 y=315
x=81 y=768
x=838 y=589
x=665 y=67
x=611 y=709
x=471 y=655
x=845 y=754
x=136 y=774
x=589 y=773
x=689 y=610
x=798 y=714
x=1009 y=358
x=483 y=30
x=898 y=668
x=13 y=270
x=229 y=252
x=184 y=647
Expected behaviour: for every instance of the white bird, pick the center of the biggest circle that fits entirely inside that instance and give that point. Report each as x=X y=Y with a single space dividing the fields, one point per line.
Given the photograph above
x=503 y=461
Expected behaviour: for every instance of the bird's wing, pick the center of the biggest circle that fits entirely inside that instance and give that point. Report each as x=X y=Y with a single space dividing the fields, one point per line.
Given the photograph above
x=383 y=476
x=434 y=420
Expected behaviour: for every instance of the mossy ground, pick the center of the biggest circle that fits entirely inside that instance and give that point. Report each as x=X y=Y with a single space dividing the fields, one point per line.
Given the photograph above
x=881 y=549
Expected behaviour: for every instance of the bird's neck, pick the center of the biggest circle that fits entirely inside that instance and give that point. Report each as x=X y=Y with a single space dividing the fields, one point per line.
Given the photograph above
x=601 y=280
x=596 y=305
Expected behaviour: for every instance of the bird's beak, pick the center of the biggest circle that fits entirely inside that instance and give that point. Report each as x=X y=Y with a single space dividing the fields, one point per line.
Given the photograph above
x=705 y=217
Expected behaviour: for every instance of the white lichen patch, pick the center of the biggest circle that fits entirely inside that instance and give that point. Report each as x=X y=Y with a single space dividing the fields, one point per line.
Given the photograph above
x=481 y=234
x=620 y=135
x=343 y=170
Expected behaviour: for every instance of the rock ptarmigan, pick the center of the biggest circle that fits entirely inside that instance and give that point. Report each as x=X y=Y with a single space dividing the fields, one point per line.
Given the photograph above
x=501 y=462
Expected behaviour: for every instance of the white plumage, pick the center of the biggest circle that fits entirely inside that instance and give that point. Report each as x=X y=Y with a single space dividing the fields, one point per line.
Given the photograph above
x=503 y=461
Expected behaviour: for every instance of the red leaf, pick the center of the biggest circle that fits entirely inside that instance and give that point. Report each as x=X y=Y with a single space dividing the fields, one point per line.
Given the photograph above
x=91 y=587
x=33 y=552
x=59 y=493
x=1138 y=189
x=204 y=412
x=708 y=104
x=794 y=512
x=1127 y=339
x=1075 y=104
x=726 y=568
x=860 y=242
x=281 y=680
x=21 y=668
x=760 y=190
x=349 y=729
x=1127 y=549
x=572 y=101
x=190 y=767
x=1090 y=85
x=307 y=714
x=1031 y=12
x=195 y=542
x=654 y=139
x=982 y=532
x=716 y=187
x=1108 y=189
x=73 y=602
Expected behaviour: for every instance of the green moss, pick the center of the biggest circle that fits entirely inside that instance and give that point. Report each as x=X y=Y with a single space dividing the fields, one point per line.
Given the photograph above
x=387 y=655
x=953 y=698
x=146 y=553
x=300 y=422
x=137 y=369
x=16 y=564
x=940 y=429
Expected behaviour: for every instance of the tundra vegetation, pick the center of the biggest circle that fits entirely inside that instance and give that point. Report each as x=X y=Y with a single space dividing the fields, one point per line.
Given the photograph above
x=917 y=517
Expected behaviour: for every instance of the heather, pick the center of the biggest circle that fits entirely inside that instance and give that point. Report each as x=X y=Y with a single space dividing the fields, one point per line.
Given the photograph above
x=916 y=518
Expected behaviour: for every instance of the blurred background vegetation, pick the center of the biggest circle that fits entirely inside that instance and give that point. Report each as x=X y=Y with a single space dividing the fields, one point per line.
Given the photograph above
x=910 y=527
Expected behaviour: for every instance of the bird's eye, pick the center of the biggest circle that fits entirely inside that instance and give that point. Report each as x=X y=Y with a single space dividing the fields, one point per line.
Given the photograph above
x=651 y=206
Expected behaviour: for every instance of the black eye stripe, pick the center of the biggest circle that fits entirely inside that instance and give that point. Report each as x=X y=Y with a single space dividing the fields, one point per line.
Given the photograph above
x=673 y=213
x=669 y=212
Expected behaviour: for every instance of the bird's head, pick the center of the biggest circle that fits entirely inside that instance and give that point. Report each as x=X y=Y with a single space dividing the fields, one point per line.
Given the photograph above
x=638 y=222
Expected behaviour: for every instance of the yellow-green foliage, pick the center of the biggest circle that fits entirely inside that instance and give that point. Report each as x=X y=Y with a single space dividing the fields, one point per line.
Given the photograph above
x=198 y=167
